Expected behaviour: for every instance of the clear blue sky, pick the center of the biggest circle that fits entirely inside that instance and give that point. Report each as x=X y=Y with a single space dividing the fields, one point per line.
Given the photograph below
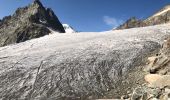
x=91 y=15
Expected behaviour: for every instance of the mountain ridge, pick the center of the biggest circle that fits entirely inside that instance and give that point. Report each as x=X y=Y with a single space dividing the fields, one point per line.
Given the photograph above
x=160 y=17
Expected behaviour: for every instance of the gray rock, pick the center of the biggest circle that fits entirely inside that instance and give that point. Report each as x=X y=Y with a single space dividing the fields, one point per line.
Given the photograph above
x=139 y=93
x=29 y=22
x=154 y=99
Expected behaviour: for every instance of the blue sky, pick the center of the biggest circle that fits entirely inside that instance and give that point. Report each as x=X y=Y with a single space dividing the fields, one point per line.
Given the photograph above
x=91 y=15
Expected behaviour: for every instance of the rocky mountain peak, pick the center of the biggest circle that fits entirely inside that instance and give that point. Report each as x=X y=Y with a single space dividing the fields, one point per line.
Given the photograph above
x=37 y=2
x=37 y=5
x=29 y=22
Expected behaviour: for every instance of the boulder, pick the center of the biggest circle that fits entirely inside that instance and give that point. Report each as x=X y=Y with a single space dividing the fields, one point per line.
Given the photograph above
x=157 y=81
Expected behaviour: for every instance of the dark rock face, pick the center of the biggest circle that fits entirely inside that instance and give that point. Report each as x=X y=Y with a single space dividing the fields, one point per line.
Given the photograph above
x=161 y=17
x=27 y=23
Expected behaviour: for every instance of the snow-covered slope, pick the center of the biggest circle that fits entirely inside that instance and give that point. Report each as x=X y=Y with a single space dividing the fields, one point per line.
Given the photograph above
x=68 y=28
x=76 y=66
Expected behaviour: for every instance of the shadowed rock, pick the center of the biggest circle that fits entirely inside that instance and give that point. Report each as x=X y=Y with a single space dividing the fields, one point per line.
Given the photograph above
x=29 y=22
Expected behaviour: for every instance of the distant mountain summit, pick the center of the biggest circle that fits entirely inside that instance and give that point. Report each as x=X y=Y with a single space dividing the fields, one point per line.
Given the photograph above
x=29 y=22
x=161 y=17
x=69 y=29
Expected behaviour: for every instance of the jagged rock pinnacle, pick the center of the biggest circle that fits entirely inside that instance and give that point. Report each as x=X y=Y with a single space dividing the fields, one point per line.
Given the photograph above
x=38 y=2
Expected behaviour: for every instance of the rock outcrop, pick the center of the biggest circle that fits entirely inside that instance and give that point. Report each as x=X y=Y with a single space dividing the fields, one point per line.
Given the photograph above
x=131 y=23
x=30 y=22
x=157 y=78
x=78 y=66
x=161 y=17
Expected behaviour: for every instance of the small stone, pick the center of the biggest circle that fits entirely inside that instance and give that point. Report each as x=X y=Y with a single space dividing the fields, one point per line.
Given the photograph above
x=156 y=93
x=163 y=72
x=90 y=97
x=164 y=97
x=128 y=92
x=167 y=90
x=152 y=61
x=137 y=82
x=154 y=99
x=152 y=71
x=125 y=97
x=150 y=96
x=138 y=94
x=168 y=73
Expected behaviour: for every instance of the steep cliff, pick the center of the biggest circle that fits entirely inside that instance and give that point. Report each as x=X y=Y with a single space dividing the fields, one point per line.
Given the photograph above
x=29 y=22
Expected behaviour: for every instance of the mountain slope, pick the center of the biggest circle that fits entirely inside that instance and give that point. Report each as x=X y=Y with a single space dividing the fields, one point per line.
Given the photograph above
x=161 y=17
x=68 y=28
x=29 y=22
x=131 y=23
x=78 y=66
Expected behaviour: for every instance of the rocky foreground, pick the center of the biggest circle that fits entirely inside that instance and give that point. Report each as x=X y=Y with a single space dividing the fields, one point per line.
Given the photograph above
x=79 y=66
x=157 y=78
